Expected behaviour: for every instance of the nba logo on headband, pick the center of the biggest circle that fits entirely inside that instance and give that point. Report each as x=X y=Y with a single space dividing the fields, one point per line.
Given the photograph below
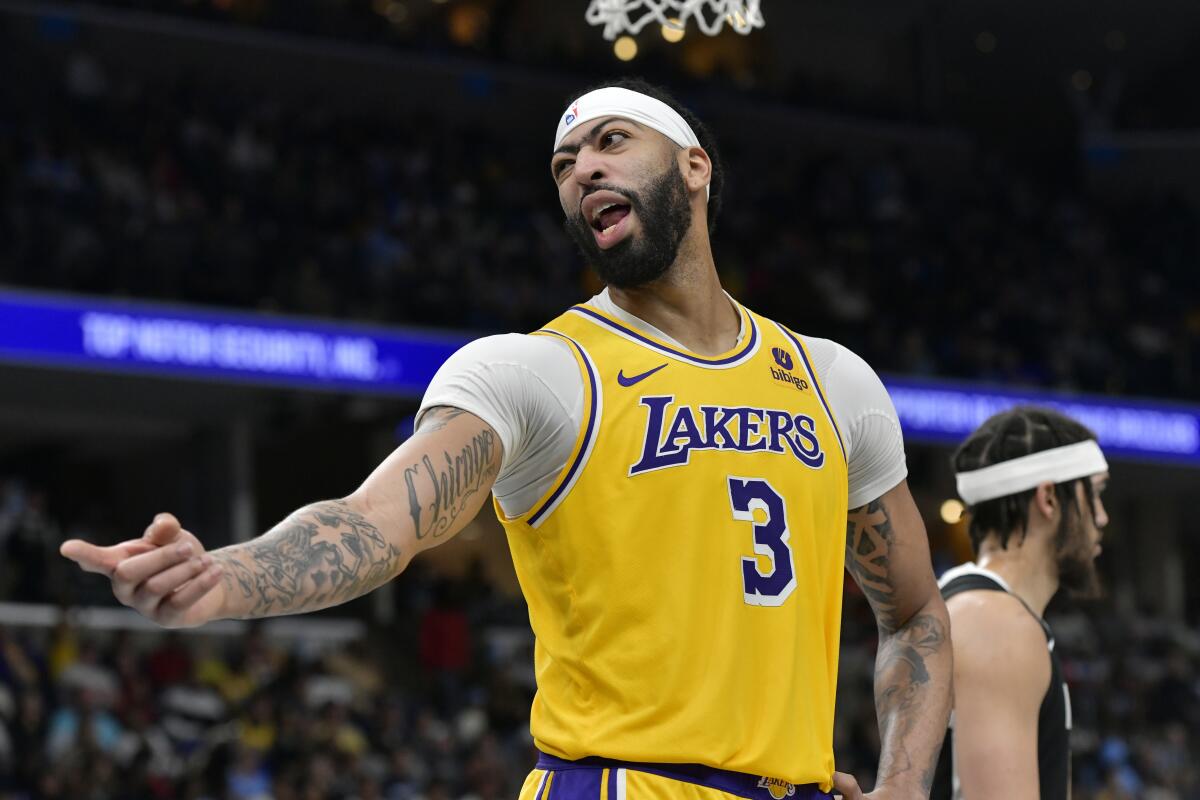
x=614 y=101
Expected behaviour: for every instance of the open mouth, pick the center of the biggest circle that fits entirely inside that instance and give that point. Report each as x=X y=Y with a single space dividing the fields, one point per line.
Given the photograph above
x=609 y=215
x=610 y=223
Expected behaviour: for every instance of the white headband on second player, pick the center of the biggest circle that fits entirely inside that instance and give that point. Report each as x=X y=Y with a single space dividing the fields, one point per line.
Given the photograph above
x=612 y=101
x=1056 y=465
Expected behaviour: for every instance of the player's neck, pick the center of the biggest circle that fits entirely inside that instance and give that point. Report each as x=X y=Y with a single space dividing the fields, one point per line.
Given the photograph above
x=687 y=303
x=1027 y=569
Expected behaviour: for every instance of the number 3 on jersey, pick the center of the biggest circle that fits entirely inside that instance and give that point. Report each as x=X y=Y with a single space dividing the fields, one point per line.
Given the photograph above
x=750 y=495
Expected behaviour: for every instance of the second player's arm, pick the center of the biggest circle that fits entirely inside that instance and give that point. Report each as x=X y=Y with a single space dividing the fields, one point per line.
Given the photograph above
x=888 y=555
x=1001 y=674
x=331 y=551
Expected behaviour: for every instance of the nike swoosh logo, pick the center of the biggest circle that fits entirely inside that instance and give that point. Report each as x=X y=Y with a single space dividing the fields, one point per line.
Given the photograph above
x=630 y=381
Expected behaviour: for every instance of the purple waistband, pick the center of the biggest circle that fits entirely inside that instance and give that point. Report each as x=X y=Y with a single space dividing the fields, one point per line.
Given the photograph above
x=754 y=787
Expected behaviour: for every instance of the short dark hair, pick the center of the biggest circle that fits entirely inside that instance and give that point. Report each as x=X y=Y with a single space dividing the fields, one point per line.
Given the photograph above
x=707 y=142
x=1011 y=434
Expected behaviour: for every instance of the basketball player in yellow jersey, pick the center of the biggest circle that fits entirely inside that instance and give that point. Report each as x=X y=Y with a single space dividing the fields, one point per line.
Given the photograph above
x=682 y=483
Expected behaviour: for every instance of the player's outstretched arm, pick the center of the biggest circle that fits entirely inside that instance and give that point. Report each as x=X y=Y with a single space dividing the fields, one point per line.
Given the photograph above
x=888 y=555
x=326 y=553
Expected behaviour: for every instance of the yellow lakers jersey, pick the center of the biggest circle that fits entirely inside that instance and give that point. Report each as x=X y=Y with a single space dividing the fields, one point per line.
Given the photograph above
x=684 y=573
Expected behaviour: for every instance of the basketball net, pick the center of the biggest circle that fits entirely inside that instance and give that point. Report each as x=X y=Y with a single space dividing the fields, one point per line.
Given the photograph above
x=630 y=16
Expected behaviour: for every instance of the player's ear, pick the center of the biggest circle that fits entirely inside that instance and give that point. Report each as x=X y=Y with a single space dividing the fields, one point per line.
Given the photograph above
x=697 y=168
x=1045 y=501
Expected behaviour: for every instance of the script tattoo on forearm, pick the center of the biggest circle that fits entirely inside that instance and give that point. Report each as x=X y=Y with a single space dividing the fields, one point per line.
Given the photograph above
x=321 y=555
x=902 y=676
x=448 y=483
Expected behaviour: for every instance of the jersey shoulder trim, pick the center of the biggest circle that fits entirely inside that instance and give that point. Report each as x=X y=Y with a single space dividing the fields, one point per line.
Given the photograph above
x=585 y=441
x=970 y=578
x=816 y=382
x=738 y=355
x=971 y=568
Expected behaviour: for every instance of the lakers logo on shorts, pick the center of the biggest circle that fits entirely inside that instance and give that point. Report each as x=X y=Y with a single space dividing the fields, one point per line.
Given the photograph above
x=778 y=789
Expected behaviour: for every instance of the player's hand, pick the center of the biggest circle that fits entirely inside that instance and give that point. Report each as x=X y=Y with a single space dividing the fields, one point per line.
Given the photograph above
x=166 y=576
x=846 y=785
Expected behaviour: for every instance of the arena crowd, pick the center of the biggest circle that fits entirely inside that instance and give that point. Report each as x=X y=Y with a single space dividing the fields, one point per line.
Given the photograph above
x=216 y=195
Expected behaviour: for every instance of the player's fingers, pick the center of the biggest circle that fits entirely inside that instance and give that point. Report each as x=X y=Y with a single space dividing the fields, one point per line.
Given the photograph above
x=89 y=556
x=846 y=785
x=154 y=589
x=164 y=529
x=102 y=559
x=134 y=547
x=130 y=572
x=183 y=597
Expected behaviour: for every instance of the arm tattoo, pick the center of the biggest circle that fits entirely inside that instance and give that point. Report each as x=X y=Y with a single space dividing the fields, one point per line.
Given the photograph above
x=437 y=418
x=901 y=684
x=869 y=539
x=904 y=684
x=449 y=484
x=321 y=555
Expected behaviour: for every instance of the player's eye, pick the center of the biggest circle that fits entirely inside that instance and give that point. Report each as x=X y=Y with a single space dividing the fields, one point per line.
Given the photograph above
x=611 y=138
x=560 y=167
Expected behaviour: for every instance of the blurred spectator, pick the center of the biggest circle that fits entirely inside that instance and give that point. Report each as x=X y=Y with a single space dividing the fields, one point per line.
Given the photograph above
x=81 y=724
x=249 y=778
x=445 y=643
x=170 y=663
x=190 y=710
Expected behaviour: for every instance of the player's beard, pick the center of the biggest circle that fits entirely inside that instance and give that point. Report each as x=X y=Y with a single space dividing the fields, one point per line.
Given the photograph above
x=665 y=215
x=1074 y=557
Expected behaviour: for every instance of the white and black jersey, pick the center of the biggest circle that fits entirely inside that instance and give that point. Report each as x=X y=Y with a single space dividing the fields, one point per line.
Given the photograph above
x=1054 y=717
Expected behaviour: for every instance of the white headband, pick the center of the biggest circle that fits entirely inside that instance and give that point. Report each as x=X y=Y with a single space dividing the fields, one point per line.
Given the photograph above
x=612 y=101
x=1059 y=464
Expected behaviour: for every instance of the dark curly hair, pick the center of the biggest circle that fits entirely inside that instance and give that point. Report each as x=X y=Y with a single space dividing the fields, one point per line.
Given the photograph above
x=1011 y=434
x=707 y=142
